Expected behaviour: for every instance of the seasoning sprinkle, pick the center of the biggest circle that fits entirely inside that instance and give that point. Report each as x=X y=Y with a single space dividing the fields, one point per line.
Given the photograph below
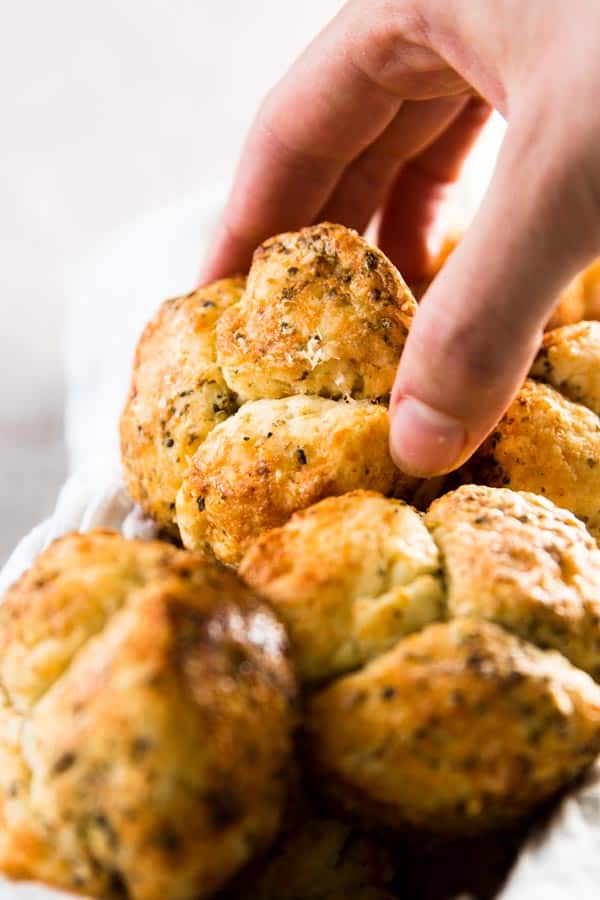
x=371 y=261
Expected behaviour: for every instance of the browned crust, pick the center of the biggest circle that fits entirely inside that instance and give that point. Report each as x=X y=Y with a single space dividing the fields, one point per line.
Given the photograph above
x=460 y=728
x=324 y=313
x=177 y=395
x=275 y=457
x=156 y=698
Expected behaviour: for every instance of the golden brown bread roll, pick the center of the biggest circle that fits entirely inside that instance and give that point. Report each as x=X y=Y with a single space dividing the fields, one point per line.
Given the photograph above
x=145 y=721
x=426 y=734
x=518 y=560
x=548 y=445
x=548 y=441
x=324 y=313
x=177 y=395
x=378 y=577
x=571 y=305
x=591 y=290
x=569 y=360
x=275 y=457
x=460 y=728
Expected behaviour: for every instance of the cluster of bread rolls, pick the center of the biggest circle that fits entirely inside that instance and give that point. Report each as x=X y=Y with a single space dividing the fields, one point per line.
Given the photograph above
x=371 y=677
x=248 y=403
x=449 y=659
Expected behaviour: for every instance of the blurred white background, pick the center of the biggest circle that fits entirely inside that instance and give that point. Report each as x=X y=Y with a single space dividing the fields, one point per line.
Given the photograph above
x=108 y=108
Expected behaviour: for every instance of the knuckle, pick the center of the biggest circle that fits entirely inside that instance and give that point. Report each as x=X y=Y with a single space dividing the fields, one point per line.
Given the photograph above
x=392 y=23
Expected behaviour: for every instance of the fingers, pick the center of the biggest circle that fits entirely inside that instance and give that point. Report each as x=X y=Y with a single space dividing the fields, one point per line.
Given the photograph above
x=479 y=325
x=364 y=185
x=421 y=187
x=332 y=105
x=322 y=115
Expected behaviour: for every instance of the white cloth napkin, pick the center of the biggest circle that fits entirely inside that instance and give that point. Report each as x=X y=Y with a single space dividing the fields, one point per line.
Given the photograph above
x=94 y=497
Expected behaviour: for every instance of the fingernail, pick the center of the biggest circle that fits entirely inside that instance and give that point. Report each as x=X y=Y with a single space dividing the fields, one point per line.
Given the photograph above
x=424 y=441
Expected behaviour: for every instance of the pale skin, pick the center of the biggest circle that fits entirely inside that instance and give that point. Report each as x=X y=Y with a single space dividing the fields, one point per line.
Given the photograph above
x=377 y=116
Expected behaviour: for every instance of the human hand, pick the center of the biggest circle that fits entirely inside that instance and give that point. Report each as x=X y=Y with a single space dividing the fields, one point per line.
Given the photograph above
x=377 y=116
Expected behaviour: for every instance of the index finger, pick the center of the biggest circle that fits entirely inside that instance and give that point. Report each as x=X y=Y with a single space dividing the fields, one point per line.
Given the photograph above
x=332 y=104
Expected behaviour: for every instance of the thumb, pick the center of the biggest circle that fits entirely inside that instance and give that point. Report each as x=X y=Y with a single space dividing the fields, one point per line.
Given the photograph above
x=479 y=325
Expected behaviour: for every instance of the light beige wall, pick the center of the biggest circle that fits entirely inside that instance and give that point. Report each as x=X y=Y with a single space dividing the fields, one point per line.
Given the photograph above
x=108 y=108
